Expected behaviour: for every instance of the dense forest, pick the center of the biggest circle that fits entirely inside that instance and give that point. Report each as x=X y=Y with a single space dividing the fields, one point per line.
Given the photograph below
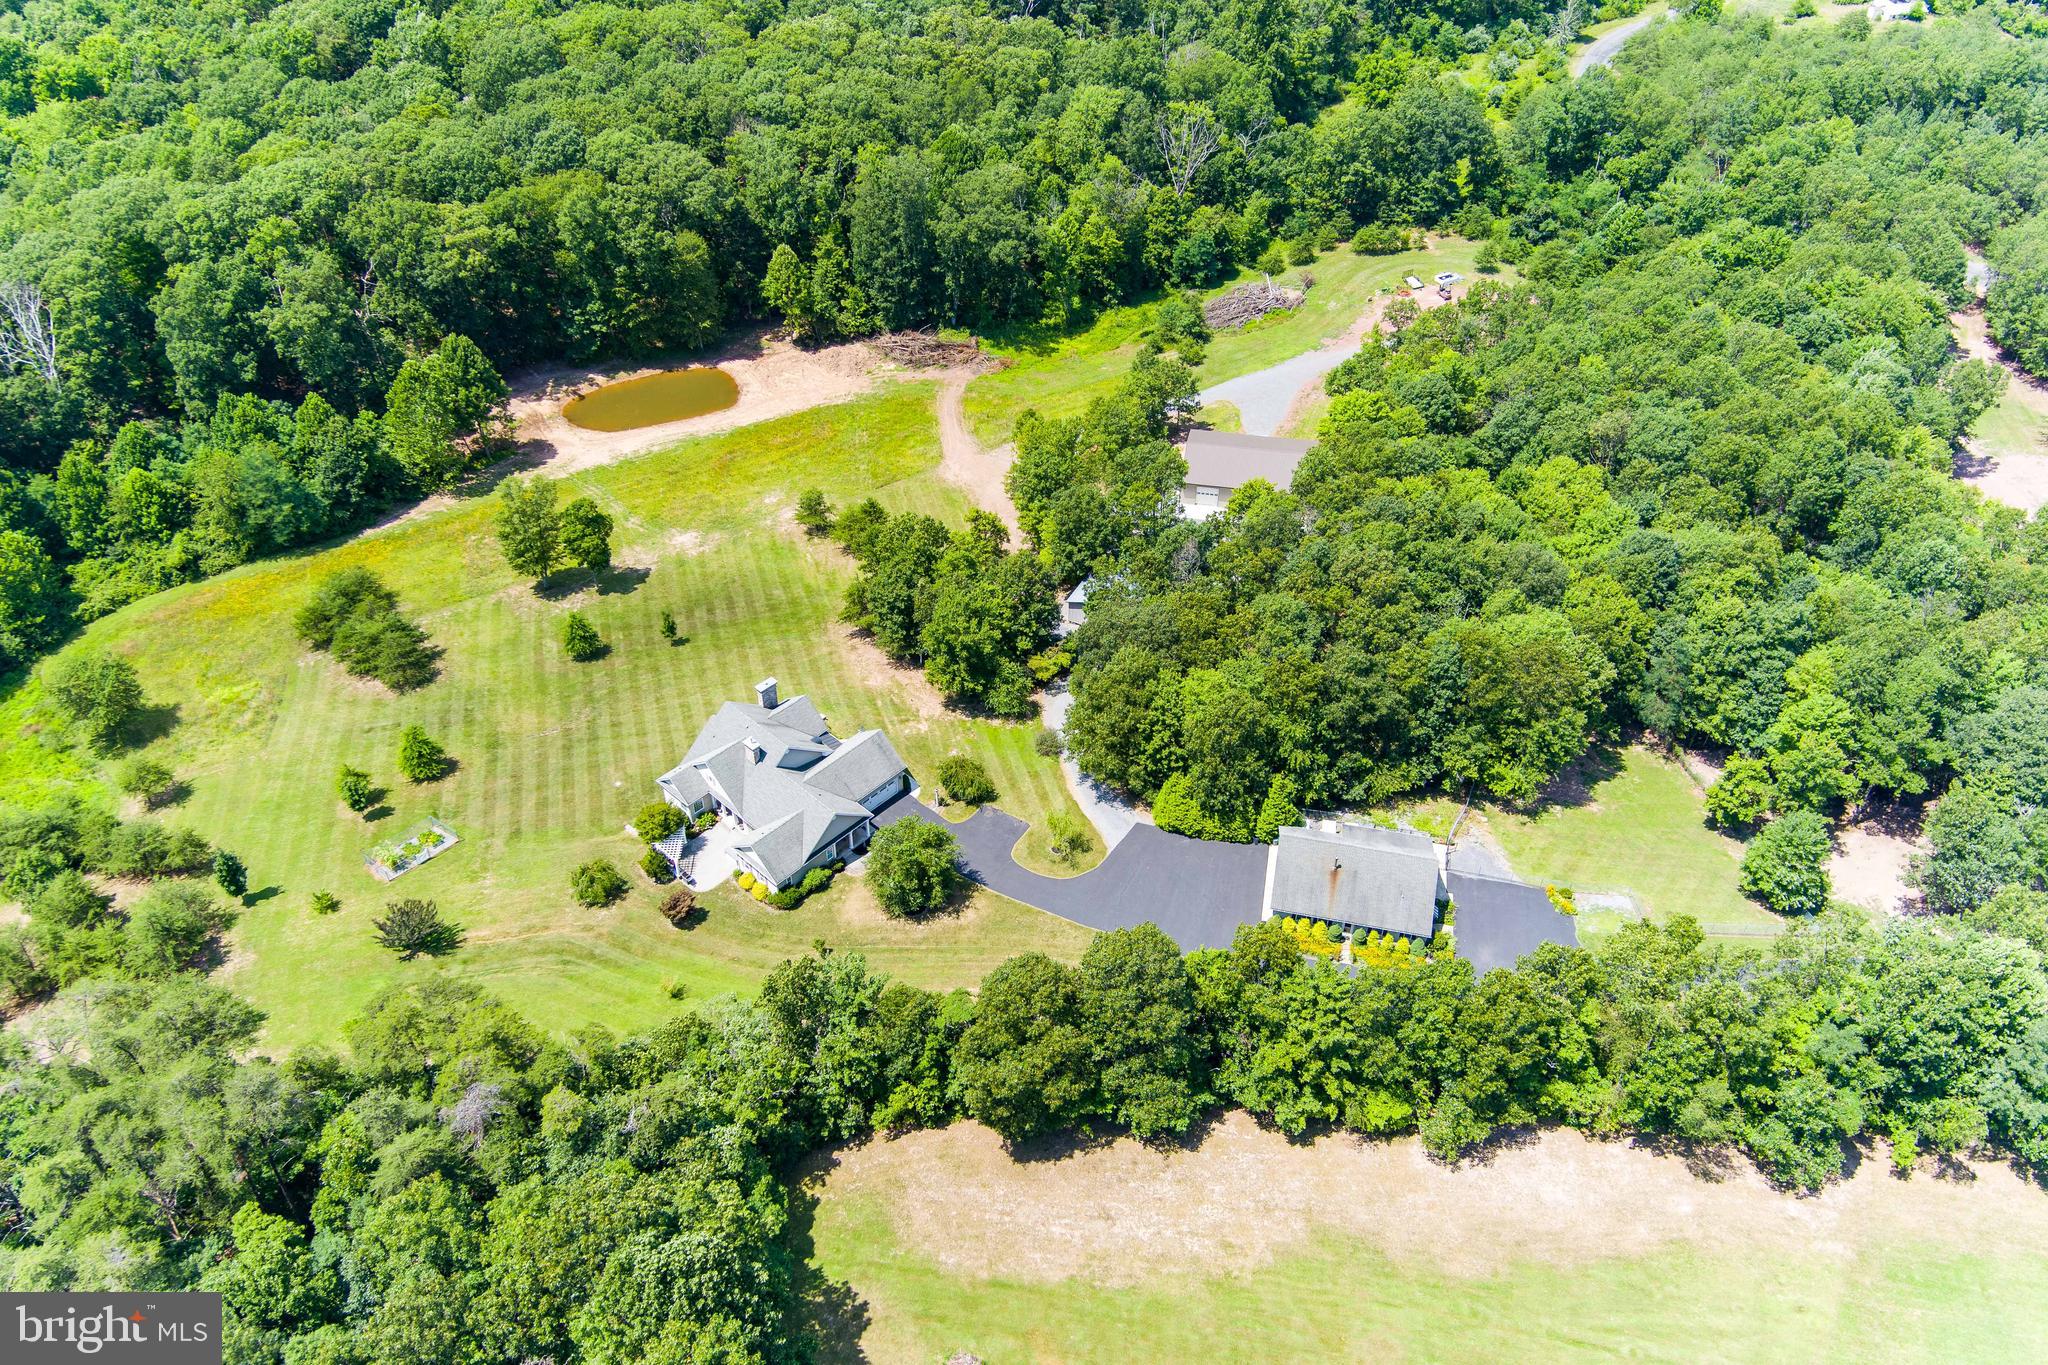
x=458 y=1187
x=262 y=269
x=1691 y=473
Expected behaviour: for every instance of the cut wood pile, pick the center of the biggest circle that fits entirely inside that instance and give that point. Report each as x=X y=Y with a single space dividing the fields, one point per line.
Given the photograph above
x=925 y=351
x=1248 y=303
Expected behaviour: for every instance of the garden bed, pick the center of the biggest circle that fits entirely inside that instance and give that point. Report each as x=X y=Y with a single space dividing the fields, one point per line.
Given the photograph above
x=402 y=853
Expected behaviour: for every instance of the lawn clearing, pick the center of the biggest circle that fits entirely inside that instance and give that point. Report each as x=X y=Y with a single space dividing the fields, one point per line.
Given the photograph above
x=553 y=757
x=1248 y=1247
x=1633 y=827
x=1060 y=374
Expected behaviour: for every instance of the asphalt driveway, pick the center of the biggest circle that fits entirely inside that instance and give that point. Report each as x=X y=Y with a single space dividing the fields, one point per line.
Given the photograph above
x=1198 y=892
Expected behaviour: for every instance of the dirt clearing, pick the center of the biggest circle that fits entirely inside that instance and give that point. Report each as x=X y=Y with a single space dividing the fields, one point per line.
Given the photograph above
x=1123 y=1214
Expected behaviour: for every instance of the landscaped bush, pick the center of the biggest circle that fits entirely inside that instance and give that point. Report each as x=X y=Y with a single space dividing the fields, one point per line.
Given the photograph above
x=356 y=617
x=1048 y=743
x=745 y=879
x=966 y=780
x=413 y=927
x=914 y=867
x=148 y=779
x=354 y=787
x=580 y=640
x=658 y=868
x=324 y=903
x=657 y=820
x=421 y=759
x=814 y=881
x=759 y=891
x=596 y=883
x=679 y=907
x=1066 y=837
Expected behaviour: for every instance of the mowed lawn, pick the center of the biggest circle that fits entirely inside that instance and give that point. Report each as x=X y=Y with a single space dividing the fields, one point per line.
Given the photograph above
x=1335 y=1298
x=1059 y=374
x=1637 y=829
x=553 y=757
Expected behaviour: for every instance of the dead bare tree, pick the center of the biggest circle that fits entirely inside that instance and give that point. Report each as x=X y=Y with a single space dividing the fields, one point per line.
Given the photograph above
x=1188 y=137
x=1248 y=140
x=29 y=336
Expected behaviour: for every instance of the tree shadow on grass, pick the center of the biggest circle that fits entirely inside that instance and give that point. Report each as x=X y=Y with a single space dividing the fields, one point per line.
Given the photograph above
x=1573 y=788
x=177 y=794
x=271 y=892
x=380 y=811
x=613 y=581
x=835 y=1316
x=148 y=723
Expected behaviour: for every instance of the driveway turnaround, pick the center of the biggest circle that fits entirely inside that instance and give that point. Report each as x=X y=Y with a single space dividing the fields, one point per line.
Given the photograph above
x=1198 y=892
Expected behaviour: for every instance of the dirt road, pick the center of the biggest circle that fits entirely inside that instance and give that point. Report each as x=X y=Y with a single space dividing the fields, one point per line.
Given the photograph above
x=2012 y=470
x=964 y=461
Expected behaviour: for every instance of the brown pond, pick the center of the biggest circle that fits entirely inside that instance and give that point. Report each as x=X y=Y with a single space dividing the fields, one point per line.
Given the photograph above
x=668 y=396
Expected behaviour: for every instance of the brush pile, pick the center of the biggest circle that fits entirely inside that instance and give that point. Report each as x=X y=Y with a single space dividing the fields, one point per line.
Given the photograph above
x=1248 y=303
x=925 y=351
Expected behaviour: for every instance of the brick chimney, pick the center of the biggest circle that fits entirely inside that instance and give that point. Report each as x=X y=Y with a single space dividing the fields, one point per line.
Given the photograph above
x=765 y=690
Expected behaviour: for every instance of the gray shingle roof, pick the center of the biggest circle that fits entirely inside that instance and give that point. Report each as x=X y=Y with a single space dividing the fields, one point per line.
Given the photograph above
x=1231 y=459
x=1375 y=878
x=792 y=782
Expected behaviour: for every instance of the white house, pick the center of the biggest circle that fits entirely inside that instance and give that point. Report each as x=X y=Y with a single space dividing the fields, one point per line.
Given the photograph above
x=800 y=797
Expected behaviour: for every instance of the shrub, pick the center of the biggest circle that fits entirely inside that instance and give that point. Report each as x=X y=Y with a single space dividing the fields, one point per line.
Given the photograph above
x=1377 y=239
x=1277 y=812
x=813 y=513
x=96 y=691
x=148 y=779
x=1301 y=251
x=656 y=865
x=668 y=625
x=1066 y=837
x=420 y=759
x=966 y=780
x=914 y=867
x=580 y=640
x=760 y=891
x=1273 y=260
x=324 y=903
x=1048 y=744
x=746 y=881
x=230 y=873
x=658 y=820
x=596 y=883
x=354 y=787
x=1743 y=795
x=412 y=927
x=679 y=906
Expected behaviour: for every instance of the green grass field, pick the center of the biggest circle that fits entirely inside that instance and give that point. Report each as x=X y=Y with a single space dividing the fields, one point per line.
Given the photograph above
x=1639 y=830
x=1061 y=374
x=554 y=756
x=1336 y=1299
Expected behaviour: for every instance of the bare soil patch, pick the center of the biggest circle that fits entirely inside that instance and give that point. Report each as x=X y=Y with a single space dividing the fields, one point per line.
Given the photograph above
x=1870 y=863
x=1124 y=1213
x=2014 y=476
x=963 y=461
